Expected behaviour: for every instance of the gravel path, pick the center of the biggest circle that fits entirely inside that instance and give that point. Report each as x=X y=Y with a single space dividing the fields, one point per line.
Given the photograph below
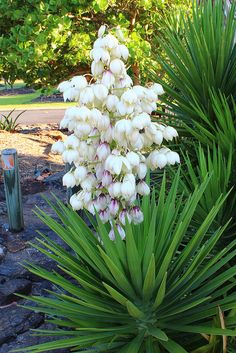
x=39 y=116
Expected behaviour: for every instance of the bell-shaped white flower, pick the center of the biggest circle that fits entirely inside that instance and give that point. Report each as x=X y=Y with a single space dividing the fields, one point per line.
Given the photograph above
x=124 y=217
x=127 y=189
x=106 y=178
x=76 y=203
x=87 y=95
x=101 y=31
x=64 y=86
x=89 y=182
x=103 y=123
x=119 y=34
x=158 y=89
x=97 y=68
x=136 y=215
x=141 y=121
x=120 y=232
x=142 y=170
x=79 y=82
x=124 y=51
x=169 y=133
x=58 y=147
x=133 y=158
x=111 y=102
x=70 y=156
x=71 y=142
x=104 y=215
x=129 y=97
x=100 y=91
x=103 y=151
x=156 y=160
x=117 y=66
x=108 y=79
x=143 y=188
x=114 y=207
x=109 y=41
x=69 y=180
x=80 y=173
x=172 y=158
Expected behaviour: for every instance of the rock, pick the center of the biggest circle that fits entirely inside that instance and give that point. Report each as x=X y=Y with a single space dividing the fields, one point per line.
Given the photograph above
x=12 y=267
x=27 y=340
x=9 y=287
x=15 y=320
x=55 y=179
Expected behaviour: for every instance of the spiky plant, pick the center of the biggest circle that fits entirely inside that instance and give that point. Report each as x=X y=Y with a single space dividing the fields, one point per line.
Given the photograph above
x=152 y=292
x=8 y=123
x=200 y=67
x=193 y=174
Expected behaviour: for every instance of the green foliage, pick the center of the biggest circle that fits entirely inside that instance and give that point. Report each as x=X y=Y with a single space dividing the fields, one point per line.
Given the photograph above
x=211 y=162
x=44 y=42
x=200 y=66
x=153 y=292
x=8 y=122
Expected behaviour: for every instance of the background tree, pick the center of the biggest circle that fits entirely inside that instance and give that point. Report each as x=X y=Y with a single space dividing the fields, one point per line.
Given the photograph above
x=43 y=42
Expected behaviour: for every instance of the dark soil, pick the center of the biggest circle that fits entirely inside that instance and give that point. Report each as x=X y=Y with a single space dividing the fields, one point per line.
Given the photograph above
x=56 y=97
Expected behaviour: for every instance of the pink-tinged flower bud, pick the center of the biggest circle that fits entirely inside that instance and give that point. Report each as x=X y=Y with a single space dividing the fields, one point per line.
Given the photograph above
x=114 y=207
x=143 y=188
x=106 y=178
x=104 y=215
x=120 y=230
x=99 y=171
x=136 y=215
x=69 y=180
x=108 y=79
x=124 y=216
x=102 y=201
x=103 y=151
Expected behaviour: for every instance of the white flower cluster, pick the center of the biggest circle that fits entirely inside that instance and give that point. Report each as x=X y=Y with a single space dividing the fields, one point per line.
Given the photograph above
x=114 y=141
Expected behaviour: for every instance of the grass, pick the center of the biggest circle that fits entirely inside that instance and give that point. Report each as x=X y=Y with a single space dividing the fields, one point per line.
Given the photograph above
x=25 y=101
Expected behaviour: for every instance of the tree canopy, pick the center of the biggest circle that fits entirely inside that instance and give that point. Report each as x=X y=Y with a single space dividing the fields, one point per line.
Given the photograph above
x=43 y=42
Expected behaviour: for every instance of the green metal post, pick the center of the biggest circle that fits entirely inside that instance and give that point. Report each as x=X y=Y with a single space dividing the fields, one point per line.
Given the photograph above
x=12 y=189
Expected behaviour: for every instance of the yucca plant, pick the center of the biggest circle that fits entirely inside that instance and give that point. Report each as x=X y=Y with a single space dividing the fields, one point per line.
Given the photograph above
x=153 y=292
x=8 y=123
x=194 y=171
x=200 y=65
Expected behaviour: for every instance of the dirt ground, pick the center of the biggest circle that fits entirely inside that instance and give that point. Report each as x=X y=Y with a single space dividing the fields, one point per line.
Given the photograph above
x=33 y=143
